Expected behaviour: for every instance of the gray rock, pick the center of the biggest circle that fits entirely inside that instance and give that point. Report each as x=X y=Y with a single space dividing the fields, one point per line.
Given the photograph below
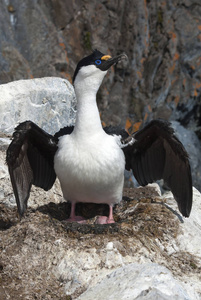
x=137 y=282
x=4 y=142
x=49 y=102
x=192 y=145
x=54 y=261
x=162 y=41
x=47 y=38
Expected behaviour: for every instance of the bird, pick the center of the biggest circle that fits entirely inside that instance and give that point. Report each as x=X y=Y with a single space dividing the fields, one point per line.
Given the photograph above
x=89 y=159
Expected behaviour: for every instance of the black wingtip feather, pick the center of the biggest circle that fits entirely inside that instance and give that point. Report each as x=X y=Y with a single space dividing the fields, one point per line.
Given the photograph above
x=30 y=160
x=158 y=154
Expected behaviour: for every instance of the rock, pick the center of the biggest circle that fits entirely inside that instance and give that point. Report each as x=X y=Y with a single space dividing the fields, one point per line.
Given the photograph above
x=192 y=145
x=4 y=142
x=162 y=79
x=189 y=238
x=49 y=102
x=41 y=256
x=48 y=38
x=54 y=259
x=137 y=281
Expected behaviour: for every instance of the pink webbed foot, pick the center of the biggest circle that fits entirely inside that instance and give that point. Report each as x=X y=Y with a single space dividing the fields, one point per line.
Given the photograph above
x=106 y=220
x=73 y=217
x=78 y=219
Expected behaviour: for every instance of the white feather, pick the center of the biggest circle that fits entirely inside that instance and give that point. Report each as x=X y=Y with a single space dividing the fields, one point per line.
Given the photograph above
x=90 y=170
x=90 y=163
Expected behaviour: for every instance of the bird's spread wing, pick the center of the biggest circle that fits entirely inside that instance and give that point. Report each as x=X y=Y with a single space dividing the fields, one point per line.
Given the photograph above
x=30 y=160
x=158 y=154
x=63 y=131
x=116 y=130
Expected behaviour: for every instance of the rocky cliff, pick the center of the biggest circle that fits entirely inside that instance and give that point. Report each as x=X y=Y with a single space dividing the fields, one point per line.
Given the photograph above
x=42 y=257
x=161 y=38
x=150 y=252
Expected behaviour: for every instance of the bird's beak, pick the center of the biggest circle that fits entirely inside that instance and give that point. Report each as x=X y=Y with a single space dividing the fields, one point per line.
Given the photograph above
x=108 y=61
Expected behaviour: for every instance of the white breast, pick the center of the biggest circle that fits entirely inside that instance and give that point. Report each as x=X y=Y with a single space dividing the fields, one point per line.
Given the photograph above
x=90 y=169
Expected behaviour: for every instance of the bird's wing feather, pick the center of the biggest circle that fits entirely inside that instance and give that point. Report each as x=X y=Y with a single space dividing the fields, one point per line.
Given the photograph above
x=158 y=154
x=116 y=130
x=30 y=160
x=63 y=131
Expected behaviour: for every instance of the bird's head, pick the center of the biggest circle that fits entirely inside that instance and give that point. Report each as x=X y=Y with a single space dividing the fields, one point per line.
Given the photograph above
x=92 y=69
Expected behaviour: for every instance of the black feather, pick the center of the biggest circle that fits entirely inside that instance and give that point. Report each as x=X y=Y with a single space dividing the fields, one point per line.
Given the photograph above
x=63 y=131
x=116 y=130
x=158 y=154
x=30 y=159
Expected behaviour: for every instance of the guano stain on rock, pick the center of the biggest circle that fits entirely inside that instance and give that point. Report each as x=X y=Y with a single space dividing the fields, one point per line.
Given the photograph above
x=32 y=249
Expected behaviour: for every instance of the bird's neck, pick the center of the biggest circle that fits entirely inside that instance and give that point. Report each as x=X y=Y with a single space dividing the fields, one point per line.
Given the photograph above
x=87 y=118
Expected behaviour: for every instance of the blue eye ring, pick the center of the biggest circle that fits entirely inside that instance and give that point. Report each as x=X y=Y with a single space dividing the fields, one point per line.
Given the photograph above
x=98 y=62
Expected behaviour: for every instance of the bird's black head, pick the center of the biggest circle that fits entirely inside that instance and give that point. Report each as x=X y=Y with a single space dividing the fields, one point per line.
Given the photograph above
x=98 y=59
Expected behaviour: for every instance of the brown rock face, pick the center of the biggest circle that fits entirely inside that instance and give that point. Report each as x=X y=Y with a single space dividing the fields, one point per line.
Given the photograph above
x=161 y=39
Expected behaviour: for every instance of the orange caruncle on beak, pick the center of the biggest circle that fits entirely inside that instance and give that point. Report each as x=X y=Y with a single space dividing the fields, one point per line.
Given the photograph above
x=105 y=57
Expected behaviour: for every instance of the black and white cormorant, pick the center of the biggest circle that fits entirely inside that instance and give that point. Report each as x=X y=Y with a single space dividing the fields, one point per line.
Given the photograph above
x=90 y=160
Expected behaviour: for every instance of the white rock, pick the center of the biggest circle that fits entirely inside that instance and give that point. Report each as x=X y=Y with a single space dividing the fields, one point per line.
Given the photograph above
x=190 y=238
x=76 y=271
x=109 y=246
x=49 y=102
x=156 y=187
x=113 y=257
x=3 y=171
x=4 y=142
x=135 y=281
x=42 y=100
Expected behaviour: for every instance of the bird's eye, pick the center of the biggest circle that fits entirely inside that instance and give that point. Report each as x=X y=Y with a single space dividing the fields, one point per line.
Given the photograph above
x=98 y=62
